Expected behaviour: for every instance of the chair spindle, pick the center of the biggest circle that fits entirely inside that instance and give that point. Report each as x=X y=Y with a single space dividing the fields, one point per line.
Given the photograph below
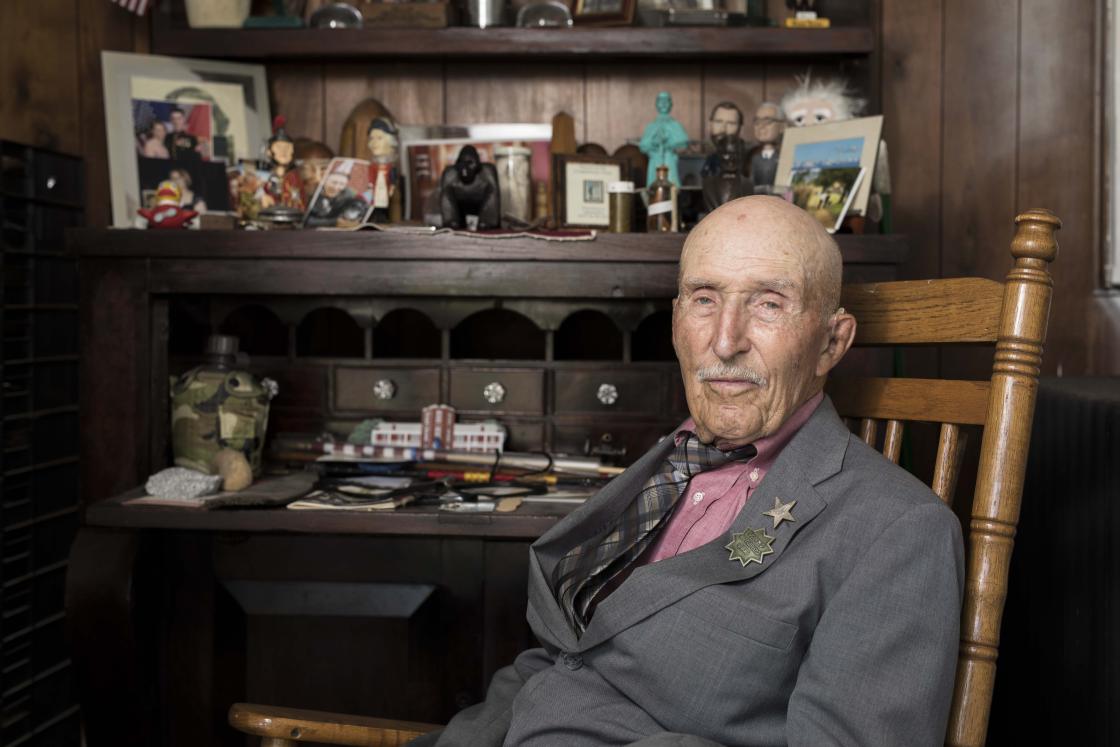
x=868 y=430
x=950 y=451
x=892 y=440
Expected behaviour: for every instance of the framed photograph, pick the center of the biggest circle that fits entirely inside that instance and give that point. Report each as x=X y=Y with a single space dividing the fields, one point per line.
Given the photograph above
x=580 y=189
x=851 y=144
x=180 y=120
x=604 y=12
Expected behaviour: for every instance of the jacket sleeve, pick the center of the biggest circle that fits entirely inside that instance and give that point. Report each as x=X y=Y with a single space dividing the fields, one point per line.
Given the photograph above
x=486 y=723
x=881 y=665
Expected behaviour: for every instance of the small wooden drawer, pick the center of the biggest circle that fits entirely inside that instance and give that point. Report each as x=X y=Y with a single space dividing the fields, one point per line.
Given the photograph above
x=498 y=390
x=611 y=390
x=385 y=389
x=614 y=443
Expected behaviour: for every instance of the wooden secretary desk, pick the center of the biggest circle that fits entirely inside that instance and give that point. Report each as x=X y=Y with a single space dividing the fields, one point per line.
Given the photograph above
x=175 y=614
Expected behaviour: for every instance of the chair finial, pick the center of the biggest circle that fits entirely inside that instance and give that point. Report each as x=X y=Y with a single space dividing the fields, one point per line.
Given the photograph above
x=1034 y=235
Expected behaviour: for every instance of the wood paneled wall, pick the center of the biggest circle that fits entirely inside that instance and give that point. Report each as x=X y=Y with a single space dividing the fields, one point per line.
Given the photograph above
x=992 y=106
x=50 y=80
x=610 y=101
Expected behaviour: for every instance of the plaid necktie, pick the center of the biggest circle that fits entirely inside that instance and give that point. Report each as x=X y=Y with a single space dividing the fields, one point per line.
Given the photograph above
x=590 y=565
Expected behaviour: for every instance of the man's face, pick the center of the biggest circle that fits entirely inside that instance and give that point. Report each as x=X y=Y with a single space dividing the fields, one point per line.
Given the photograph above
x=724 y=121
x=381 y=144
x=747 y=327
x=282 y=152
x=334 y=184
x=178 y=121
x=768 y=124
x=311 y=172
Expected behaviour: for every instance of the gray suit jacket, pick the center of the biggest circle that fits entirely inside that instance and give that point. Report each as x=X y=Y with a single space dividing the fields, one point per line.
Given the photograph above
x=846 y=634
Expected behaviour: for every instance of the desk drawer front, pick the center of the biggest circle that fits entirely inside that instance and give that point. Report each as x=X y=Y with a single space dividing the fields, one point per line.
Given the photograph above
x=615 y=443
x=610 y=390
x=498 y=390
x=385 y=389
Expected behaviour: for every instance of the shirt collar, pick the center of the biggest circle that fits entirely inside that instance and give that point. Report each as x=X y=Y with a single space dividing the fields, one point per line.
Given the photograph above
x=768 y=447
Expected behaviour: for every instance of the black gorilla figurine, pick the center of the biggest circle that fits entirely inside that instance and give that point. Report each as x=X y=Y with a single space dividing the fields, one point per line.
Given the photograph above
x=729 y=183
x=470 y=187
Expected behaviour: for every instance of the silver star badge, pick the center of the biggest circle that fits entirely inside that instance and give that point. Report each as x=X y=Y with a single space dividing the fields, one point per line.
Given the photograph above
x=781 y=511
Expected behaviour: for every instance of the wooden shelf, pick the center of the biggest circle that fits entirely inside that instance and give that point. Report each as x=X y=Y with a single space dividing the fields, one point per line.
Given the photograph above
x=499 y=43
x=374 y=245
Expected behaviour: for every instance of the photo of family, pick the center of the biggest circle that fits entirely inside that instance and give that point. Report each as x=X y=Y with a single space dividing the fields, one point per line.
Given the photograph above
x=825 y=177
x=175 y=142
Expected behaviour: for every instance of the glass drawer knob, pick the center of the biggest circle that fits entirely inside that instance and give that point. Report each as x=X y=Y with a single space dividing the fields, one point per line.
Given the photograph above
x=51 y=182
x=494 y=392
x=384 y=389
x=607 y=394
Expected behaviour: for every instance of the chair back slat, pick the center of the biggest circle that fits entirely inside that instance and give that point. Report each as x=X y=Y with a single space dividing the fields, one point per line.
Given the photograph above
x=868 y=430
x=917 y=312
x=892 y=440
x=1013 y=315
x=947 y=467
x=930 y=400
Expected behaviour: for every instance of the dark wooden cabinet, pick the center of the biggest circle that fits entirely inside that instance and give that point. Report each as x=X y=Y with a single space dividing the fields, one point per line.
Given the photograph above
x=402 y=615
x=40 y=194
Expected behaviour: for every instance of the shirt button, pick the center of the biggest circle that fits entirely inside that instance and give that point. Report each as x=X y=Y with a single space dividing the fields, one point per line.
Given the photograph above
x=571 y=661
x=698 y=496
x=754 y=475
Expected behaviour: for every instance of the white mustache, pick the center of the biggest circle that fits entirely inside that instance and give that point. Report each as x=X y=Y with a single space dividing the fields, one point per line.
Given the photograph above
x=740 y=373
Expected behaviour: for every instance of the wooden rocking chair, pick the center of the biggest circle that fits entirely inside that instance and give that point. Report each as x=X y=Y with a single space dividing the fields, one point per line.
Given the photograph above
x=1011 y=315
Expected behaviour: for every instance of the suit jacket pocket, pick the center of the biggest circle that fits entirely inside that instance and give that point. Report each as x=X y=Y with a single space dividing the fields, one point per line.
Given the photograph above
x=718 y=606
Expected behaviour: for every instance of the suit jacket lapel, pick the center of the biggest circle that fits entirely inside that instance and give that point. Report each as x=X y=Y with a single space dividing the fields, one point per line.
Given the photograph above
x=812 y=456
x=599 y=511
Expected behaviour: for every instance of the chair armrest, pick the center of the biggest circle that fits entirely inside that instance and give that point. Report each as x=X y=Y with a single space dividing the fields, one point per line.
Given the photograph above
x=298 y=725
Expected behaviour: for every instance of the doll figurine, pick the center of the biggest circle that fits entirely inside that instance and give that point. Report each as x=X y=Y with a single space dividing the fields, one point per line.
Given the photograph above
x=762 y=160
x=282 y=188
x=725 y=121
x=167 y=213
x=729 y=183
x=661 y=140
x=381 y=139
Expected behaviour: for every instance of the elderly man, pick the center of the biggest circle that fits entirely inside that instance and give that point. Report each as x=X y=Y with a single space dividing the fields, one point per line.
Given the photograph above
x=761 y=576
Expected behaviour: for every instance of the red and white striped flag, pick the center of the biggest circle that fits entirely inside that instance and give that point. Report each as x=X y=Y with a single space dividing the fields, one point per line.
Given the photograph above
x=136 y=6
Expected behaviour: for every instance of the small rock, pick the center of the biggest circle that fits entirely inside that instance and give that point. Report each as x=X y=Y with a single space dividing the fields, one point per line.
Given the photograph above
x=180 y=483
x=234 y=469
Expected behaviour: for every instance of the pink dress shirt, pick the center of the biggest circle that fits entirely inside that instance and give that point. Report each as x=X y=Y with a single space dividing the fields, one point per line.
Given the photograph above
x=711 y=501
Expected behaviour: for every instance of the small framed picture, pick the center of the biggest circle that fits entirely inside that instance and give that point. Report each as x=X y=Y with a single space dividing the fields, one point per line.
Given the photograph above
x=604 y=12
x=834 y=152
x=580 y=188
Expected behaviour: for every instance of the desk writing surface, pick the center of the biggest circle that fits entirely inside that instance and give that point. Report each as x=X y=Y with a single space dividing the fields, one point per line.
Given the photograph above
x=529 y=521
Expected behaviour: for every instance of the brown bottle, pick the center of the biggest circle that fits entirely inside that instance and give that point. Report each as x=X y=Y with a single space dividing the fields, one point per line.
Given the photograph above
x=662 y=208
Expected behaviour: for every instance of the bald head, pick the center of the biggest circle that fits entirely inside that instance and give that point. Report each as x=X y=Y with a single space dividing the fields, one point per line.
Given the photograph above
x=756 y=326
x=771 y=224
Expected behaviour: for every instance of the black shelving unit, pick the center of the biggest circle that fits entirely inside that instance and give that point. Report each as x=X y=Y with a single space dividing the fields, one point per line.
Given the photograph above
x=40 y=503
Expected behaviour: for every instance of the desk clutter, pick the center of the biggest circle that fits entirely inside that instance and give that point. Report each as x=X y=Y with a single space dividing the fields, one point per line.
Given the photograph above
x=219 y=419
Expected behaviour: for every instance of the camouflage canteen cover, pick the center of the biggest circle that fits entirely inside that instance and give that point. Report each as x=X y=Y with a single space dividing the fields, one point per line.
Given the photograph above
x=212 y=409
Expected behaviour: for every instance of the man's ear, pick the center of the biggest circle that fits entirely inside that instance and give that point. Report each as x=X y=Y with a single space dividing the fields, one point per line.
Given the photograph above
x=841 y=332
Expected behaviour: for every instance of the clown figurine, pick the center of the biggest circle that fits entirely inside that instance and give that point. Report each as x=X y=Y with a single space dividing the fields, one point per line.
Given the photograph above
x=167 y=213
x=283 y=187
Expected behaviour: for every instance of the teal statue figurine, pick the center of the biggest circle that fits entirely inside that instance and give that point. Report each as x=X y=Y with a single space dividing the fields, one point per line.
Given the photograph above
x=662 y=138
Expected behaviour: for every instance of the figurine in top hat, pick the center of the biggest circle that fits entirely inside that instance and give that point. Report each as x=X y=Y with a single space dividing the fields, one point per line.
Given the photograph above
x=381 y=139
x=167 y=213
x=283 y=187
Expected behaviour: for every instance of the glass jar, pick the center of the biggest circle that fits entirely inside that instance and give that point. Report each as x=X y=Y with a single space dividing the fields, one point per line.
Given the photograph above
x=621 y=195
x=514 y=181
x=661 y=216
